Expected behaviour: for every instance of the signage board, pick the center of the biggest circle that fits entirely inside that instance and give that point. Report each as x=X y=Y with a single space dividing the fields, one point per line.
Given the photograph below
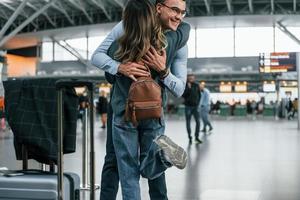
x=277 y=62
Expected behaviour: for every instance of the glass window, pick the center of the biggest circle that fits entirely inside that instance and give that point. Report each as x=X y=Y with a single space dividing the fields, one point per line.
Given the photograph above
x=62 y=54
x=80 y=45
x=250 y=41
x=94 y=42
x=215 y=42
x=47 y=51
x=295 y=31
x=191 y=44
x=283 y=43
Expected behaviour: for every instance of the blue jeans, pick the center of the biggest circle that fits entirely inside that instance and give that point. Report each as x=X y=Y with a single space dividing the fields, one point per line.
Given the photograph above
x=189 y=112
x=204 y=116
x=110 y=176
x=137 y=154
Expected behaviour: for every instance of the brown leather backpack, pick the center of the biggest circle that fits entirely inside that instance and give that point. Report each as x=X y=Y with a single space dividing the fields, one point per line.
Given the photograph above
x=144 y=100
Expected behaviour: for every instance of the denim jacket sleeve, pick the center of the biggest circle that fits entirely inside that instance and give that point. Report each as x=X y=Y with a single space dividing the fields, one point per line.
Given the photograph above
x=100 y=58
x=176 y=80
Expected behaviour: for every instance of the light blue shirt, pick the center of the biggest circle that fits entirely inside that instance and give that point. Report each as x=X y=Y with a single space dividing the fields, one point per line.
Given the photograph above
x=205 y=98
x=176 y=79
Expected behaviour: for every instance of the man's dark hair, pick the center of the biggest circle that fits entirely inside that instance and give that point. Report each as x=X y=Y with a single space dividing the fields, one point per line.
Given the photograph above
x=159 y=1
x=162 y=1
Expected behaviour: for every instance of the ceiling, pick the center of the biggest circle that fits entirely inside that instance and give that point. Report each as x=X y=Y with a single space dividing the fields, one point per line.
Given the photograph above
x=36 y=20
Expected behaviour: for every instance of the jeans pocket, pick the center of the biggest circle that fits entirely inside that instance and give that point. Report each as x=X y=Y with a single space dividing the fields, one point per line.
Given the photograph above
x=119 y=121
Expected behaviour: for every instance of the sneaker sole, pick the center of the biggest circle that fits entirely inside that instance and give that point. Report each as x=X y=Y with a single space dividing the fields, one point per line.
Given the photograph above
x=175 y=153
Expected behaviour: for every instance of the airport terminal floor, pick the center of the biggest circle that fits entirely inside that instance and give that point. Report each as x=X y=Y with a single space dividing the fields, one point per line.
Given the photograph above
x=241 y=159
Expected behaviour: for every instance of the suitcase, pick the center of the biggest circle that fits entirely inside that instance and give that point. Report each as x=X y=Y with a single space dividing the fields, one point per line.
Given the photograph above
x=60 y=86
x=37 y=184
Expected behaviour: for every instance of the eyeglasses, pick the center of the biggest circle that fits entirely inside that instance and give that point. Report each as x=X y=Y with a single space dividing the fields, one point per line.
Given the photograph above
x=175 y=10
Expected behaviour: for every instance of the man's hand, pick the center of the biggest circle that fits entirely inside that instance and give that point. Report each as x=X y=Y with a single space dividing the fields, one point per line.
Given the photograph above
x=133 y=70
x=154 y=60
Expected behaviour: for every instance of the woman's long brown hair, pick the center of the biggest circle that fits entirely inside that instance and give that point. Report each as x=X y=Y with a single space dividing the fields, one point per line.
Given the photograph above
x=141 y=30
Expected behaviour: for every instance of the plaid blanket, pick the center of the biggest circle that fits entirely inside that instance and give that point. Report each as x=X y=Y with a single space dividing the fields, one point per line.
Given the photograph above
x=31 y=111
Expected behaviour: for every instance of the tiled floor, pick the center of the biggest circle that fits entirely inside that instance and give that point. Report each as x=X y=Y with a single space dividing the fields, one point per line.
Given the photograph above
x=240 y=160
x=230 y=195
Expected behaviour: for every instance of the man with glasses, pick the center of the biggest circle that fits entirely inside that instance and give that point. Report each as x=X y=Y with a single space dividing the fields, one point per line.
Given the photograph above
x=175 y=10
x=170 y=13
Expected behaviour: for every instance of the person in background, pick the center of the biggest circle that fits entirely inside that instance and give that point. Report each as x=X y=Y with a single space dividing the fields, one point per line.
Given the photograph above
x=83 y=103
x=295 y=107
x=192 y=97
x=102 y=108
x=253 y=107
x=289 y=109
x=204 y=107
x=248 y=107
x=2 y=114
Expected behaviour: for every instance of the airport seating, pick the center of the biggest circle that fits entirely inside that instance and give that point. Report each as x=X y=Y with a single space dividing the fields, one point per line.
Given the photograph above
x=224 y=110
x=268 y=111
x=240 y=110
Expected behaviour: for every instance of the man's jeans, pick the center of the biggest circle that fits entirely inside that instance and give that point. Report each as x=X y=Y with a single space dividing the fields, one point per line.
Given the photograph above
x=137 y=153
x=204 y=110
x=189 y=112
x=110 y=176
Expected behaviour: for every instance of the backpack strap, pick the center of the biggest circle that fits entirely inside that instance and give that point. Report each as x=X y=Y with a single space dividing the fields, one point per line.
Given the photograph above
x=149 y=70
x=126 y=116
x=130 y=116
x=133 y=117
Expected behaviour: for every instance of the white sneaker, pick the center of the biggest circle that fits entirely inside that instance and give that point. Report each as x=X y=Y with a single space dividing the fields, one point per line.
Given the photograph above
x=173 y=153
